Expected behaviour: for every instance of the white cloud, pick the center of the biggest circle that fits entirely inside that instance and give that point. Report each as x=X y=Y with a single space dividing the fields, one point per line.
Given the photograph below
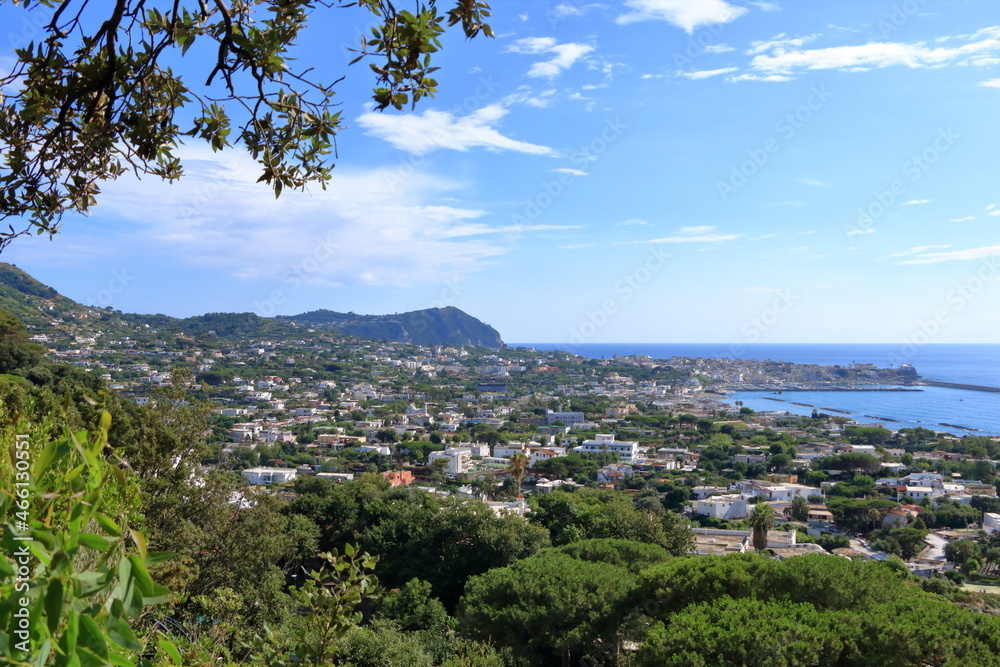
x=526 y=96
x=632 y=222
x=965 y=219
x=704 y=74
x=372 y=227
x=701 y=229
x=917 y=250
x=765 y=236
x=686 y=14
x=699 y=234
x=779 y=42
x=570 y=170
x=478 y=229
x=766 y=6
x=433 y=130
x=565 y=10
x=563 y=55
x=757 y=77
x=783 y=57
x=866 y=230
x=718 y=48
x=955 y=255
x=992 y=83
x=915 y=202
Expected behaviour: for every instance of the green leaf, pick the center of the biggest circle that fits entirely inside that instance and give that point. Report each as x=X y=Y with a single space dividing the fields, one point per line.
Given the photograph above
x=171 y=651
x=45 y=459
x=89 y=658
x=140 y=542
x=69 y=636
x=42 y=652
x=121 y=661
x=121 y=634
x=160 y=595
x=105 y=421
x=91 y=638
x=154 y=558
x=142 y=579
x=53 y=605
x=95 y=542
x=186 y=41
x=108 y=524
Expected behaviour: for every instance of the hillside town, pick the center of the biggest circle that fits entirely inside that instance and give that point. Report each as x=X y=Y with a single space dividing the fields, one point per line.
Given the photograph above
x=454 y=420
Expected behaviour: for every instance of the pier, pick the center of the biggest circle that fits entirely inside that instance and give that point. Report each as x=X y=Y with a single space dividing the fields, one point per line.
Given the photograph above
x=956 y=385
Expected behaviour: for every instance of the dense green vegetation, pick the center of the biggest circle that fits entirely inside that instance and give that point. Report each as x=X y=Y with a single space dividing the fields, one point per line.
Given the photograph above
x=431 y=326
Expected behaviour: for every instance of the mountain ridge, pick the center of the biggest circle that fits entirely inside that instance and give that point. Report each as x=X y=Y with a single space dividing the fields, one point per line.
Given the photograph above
x=37 y=305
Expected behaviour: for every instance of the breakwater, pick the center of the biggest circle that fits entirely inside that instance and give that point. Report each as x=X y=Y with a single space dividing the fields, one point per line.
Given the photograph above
x=957 y=385
x=788 y=390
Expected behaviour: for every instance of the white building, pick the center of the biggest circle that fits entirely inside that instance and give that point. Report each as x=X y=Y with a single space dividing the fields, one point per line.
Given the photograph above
x=919 y=492
x=862 y=449
x=544 y=454
x=991 y=522
x=547 y=486
x=508 y=450
x=731 y=506
x=262 y=475
x=702 y=492
x=459 y=459
x=626 y=450
x=567 y=418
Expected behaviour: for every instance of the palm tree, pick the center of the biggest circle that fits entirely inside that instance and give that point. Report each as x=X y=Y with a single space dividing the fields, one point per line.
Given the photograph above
x=490 y=486
x=761 y=521
x=518 y=468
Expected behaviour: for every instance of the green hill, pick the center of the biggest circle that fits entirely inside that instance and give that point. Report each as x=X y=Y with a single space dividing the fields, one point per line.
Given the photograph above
x=37 y=305
x=34 y=302
x=432 y=326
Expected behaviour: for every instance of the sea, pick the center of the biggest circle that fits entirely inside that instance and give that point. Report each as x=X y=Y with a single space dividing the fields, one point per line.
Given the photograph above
x=932 y=408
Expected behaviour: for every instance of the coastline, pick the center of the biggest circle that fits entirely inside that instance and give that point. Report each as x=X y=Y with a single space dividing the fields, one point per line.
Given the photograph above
x=942 y=409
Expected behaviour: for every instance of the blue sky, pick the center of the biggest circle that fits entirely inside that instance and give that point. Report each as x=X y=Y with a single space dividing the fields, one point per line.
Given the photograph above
x=637 y=171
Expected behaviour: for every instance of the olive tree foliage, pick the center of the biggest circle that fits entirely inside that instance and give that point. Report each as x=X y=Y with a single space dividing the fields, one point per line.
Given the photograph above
x=95 y=98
